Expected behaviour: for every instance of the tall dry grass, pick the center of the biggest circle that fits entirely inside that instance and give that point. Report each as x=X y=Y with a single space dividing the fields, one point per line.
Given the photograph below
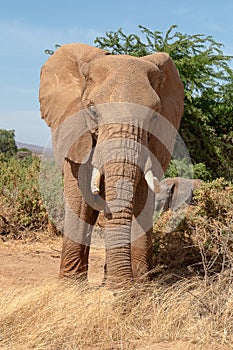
x=70 y=316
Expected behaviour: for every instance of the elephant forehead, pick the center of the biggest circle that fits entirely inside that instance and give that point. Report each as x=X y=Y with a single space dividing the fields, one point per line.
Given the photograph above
x=123 y=65
x=122 y=78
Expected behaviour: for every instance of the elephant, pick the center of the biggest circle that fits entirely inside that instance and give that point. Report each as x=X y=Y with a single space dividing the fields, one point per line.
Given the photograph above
x=114 y=120
x=174 y=192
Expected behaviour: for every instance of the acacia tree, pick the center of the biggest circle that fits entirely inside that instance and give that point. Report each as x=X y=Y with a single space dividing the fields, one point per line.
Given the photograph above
x=207 y=122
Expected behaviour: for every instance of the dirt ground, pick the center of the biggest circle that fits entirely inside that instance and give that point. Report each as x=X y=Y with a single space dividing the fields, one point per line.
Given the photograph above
x=34 y=263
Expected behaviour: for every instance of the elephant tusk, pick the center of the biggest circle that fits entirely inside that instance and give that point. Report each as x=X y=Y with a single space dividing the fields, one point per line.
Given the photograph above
x=95 y=181
x=156 y=185
x=152 y=182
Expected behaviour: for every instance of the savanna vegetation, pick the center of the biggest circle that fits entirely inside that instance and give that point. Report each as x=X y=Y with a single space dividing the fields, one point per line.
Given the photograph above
x=190 y=297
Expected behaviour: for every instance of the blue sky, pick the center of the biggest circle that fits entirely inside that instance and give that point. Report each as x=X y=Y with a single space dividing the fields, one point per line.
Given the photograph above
x=28 y=27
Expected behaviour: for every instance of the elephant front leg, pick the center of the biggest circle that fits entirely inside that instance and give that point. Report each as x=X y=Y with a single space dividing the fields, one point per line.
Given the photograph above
x=141 y=232
x=76 y=245
x=74 y=259
x=80 y=218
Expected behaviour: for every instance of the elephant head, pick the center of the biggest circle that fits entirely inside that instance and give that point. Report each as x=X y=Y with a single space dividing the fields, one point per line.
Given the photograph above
x=80 y=77
x=121 y=114
x=174 y=192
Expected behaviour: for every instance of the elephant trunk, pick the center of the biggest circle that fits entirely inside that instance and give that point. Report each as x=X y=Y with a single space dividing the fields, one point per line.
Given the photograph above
x=120 y=183
x=122 y=156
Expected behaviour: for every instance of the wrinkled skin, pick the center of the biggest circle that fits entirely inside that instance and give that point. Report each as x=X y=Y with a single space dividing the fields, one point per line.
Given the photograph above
x=174 y=192
x=110 y=103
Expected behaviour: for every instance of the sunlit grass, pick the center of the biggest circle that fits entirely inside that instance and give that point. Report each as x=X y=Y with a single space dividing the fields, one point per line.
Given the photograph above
x=66 y=315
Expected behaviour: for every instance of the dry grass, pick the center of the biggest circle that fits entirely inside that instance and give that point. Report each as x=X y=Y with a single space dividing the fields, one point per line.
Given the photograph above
x=69 y=316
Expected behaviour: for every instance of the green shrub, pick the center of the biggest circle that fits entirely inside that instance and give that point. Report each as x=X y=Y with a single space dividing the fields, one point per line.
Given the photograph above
x=51 y=189
x=20 y=193
x=7 y=143
x=183 y=168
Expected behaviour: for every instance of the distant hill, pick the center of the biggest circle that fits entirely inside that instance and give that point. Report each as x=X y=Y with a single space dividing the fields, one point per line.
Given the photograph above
x=34 y=148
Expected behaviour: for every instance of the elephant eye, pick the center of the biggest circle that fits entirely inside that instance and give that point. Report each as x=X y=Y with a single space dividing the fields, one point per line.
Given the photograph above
x=149 y=135
x=92 y=121
x=92 y=109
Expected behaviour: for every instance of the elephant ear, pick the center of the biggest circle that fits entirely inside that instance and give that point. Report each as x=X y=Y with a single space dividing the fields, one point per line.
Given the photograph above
x=171 y=93
x=62 y=82
x=170 y=90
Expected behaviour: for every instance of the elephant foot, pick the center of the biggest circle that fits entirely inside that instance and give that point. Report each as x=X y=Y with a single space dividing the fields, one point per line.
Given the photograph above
x=70 y=280
x=81 y=276
x=128 y=284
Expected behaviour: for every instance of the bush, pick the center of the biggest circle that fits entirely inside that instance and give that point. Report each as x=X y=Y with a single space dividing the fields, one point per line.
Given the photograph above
x=51 y=189
x=7 y=143
x=199 y=237
x=20 y=193
x=186 y=169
